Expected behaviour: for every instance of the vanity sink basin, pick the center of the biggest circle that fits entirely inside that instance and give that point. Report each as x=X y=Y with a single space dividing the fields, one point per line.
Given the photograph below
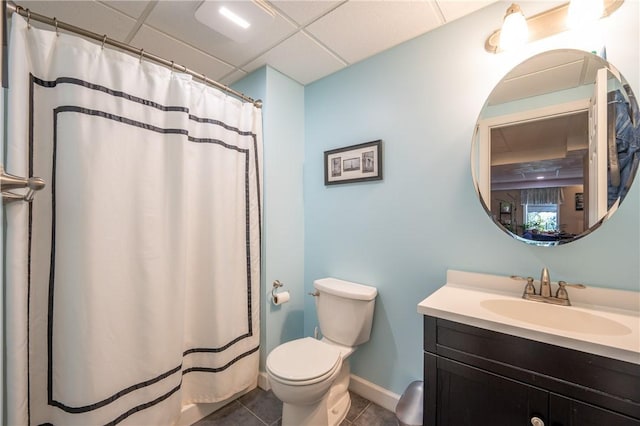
x=557 y=317
x=601 y=321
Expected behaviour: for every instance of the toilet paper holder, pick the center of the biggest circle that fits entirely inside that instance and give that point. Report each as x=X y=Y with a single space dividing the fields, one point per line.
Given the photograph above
x=279 y=298
x=276 y=285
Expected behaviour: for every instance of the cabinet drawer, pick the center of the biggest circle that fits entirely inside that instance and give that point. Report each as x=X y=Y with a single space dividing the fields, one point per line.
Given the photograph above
x=592 y=378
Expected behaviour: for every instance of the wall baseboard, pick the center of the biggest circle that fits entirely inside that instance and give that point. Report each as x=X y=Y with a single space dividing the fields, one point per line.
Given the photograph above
x=374 y=393
x=263 y=381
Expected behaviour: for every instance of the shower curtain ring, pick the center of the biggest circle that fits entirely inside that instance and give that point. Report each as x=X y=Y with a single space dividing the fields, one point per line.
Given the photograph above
x=141 y=54
x=104 y=39
x=172 y=65
x=55 y=21
x=28 y=19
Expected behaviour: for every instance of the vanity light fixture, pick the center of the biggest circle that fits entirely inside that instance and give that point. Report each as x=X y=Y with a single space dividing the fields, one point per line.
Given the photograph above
x=514 y=32
x=550 y=22
x=584 y=12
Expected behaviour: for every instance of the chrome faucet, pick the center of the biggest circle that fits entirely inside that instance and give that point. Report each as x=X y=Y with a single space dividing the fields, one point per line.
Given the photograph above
x=544 y=295
x=545 y=283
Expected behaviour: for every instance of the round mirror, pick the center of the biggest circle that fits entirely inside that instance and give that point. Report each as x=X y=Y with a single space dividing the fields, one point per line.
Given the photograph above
x=556 y=147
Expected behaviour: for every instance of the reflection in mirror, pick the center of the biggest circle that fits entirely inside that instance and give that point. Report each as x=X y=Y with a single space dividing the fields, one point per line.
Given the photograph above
x=556 y=147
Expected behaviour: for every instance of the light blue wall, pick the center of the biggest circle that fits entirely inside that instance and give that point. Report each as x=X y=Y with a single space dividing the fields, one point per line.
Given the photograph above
x=283 y=214
x=401 y=234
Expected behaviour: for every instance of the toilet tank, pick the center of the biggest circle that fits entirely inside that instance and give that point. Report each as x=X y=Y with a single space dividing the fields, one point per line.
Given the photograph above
x=345 y=310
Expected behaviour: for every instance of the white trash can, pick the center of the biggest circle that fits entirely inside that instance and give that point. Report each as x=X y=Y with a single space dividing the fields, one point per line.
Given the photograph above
x=409 y=408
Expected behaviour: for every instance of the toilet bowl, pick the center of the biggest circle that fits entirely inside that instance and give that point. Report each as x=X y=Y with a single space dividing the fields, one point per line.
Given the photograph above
x=310 y=376
x=301 y=371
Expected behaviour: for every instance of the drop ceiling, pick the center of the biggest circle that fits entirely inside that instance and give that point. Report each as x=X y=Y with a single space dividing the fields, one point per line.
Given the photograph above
x=547 y=73
x=540 y=153
x=305 y=40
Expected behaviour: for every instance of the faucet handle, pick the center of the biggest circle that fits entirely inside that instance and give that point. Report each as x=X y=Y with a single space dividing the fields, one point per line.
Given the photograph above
x=529 y=287
x=561 y=293
x=566 y=284
x=519 y=278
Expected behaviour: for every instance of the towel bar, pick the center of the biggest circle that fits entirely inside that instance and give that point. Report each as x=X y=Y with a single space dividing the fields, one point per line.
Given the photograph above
x=9 y=182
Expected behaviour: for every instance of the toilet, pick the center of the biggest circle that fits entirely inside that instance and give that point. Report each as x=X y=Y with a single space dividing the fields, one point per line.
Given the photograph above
x=311 y=376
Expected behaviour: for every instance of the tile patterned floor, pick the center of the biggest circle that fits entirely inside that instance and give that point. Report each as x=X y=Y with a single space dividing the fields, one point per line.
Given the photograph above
x=260 y=408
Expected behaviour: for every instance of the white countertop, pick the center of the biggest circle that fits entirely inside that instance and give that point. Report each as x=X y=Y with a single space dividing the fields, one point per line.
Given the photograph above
x=465 y=297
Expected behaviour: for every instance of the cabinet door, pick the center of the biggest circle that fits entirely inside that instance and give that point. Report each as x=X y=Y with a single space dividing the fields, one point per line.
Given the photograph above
x=569 y=412
x=469 y=396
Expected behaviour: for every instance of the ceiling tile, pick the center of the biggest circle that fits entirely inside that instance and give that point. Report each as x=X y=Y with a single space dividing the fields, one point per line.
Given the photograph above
x=456 y=9
x=178 y=20
x=300 y=58
x=89 y=15
x=306 y=39
x=357 y=30
x=160 y=44
x=303 y=12
x=133 y=8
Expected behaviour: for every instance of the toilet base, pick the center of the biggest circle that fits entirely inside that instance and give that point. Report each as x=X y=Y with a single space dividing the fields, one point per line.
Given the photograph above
x=339 y=411
x=331 y=410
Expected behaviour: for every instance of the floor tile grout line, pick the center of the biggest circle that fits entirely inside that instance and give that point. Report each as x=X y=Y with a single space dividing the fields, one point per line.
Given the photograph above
x=254 y=414
x=257 y=417
x=361 y=412
x=357 y=415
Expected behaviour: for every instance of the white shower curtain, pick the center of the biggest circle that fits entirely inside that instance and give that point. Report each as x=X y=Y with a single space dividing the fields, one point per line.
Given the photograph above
x=133 y=277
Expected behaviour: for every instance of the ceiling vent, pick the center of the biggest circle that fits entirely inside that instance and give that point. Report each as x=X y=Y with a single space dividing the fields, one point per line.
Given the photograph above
x=239 y=21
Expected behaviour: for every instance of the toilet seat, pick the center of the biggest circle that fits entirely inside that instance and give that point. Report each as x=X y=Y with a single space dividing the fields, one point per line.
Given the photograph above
x=303 y=361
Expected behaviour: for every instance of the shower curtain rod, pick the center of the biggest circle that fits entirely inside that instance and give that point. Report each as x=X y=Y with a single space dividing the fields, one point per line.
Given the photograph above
x=102 y=38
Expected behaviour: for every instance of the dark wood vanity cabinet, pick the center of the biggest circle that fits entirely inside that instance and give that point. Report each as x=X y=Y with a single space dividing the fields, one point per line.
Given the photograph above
x=475 y=376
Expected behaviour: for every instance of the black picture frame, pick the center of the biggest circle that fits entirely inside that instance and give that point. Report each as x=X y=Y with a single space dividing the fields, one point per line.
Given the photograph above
x=579 y=201
x=355 y=163
x=505 y=207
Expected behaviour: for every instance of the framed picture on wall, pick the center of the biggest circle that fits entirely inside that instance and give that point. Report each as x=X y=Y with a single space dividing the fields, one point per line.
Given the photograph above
x=579 y=201
x=505 y=207
x=355 y=163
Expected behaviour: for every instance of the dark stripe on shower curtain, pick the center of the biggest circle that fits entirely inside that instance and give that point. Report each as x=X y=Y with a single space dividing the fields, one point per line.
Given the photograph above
x=177 y=388
x=224 y=367
x=120 y=94
x=136 y=99
x=30 y=224
x=144 y=406
x=127 y=121
x=124 y=120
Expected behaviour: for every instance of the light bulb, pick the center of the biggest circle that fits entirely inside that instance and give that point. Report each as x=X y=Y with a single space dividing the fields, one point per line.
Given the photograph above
x=514 y=31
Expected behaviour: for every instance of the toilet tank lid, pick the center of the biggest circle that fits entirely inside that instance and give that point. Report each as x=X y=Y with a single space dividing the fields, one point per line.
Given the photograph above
x=345 y=289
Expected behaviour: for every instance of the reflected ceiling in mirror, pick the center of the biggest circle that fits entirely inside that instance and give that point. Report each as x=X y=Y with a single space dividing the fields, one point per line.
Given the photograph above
x=556 y=147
